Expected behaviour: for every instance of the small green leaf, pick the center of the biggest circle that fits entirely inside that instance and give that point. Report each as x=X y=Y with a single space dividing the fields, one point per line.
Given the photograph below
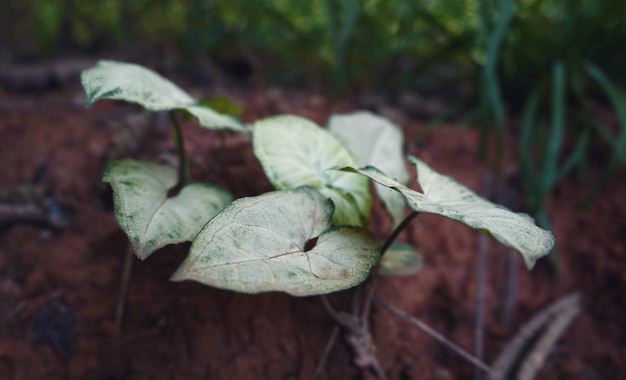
x=137 y=84
x=222 y=104
x=149 y=218
x=444 y=196
x=279 y=241
x=375 y=141
x=295 y=152
x=400 y=260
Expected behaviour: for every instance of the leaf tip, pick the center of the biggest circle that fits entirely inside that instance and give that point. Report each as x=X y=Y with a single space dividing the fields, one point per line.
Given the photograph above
x=142 y=250
x=178 y=275
x=545 y=245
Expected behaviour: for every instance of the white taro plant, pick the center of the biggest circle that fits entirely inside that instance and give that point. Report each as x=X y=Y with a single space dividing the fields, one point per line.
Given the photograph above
x=309 y=236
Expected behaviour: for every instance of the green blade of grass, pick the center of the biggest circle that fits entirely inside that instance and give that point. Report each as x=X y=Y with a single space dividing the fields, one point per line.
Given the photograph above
x=557 y=123
x=529 y=120
x=491 y=97
x=618 y=101
x=339 y=31
x=604 y=132
x=582 y=115
x=618 y=154
x=577 y=156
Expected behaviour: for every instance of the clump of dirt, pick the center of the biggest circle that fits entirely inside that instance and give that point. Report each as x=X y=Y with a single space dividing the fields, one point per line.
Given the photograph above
x=189 y=331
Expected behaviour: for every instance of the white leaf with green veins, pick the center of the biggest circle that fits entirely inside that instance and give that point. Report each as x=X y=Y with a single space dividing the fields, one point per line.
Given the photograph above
x=295 y=151
x=444 y=196
x=137 y=84
x=375 y=141
x=149 y=218
x=280 y=241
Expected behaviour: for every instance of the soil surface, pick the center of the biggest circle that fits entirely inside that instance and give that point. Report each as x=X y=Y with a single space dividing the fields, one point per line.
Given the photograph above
x=60 y=287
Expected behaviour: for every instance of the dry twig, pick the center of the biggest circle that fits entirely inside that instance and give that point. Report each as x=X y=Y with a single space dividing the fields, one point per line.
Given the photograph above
x=428 y=330
x=358 y=337
x=530 y=347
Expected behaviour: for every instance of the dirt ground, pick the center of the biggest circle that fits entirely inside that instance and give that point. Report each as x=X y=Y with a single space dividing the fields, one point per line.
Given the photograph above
x=59 y=287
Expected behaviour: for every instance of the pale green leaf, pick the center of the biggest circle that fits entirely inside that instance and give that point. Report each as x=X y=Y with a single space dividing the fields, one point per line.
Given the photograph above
x=137 y=84
x=400 y=260
x=295 y=152
x=444 y=196
x=222 y=104
x=280 y=241
x=375 y=141
x=149 y=218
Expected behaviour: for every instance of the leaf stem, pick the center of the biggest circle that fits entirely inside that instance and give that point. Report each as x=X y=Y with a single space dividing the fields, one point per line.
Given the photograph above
x=183 y=163
x=394 y=234
x=367 y=303
x=124 y=284
x=358 y=325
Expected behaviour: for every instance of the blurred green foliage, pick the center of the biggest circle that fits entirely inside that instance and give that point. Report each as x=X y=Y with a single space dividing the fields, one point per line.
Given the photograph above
x=345 y=41
x=542 y=60
x=554 y=62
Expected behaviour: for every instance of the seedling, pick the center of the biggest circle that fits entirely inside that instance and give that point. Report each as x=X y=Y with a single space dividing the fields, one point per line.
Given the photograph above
x=310 y=236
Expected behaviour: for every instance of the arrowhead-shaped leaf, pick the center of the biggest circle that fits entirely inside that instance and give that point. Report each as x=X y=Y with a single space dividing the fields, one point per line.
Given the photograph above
x=137 y=84
x=444 y=196
x=375 y=141
x=149 y=218
x=279 y=241
x=400 y=260
x=295 y=152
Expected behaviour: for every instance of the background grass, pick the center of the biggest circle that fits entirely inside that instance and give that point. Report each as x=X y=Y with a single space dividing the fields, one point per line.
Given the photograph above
x=538 y=66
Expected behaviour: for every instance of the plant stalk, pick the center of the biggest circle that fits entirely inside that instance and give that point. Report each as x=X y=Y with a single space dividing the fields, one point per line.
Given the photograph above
x=481 y=282
x=120 y=305
x=183 y=163
x=367 y=304
x=360 y=318
x=394 y=234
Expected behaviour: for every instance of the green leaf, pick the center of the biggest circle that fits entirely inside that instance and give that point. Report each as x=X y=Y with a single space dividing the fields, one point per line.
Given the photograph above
x=222 y=104
x=295 y=152
x=137 y=84
x=557 y=126
x=149 y=218
x=444 y=196
x=400 y=260
x=375 y=141
x=280 y=241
